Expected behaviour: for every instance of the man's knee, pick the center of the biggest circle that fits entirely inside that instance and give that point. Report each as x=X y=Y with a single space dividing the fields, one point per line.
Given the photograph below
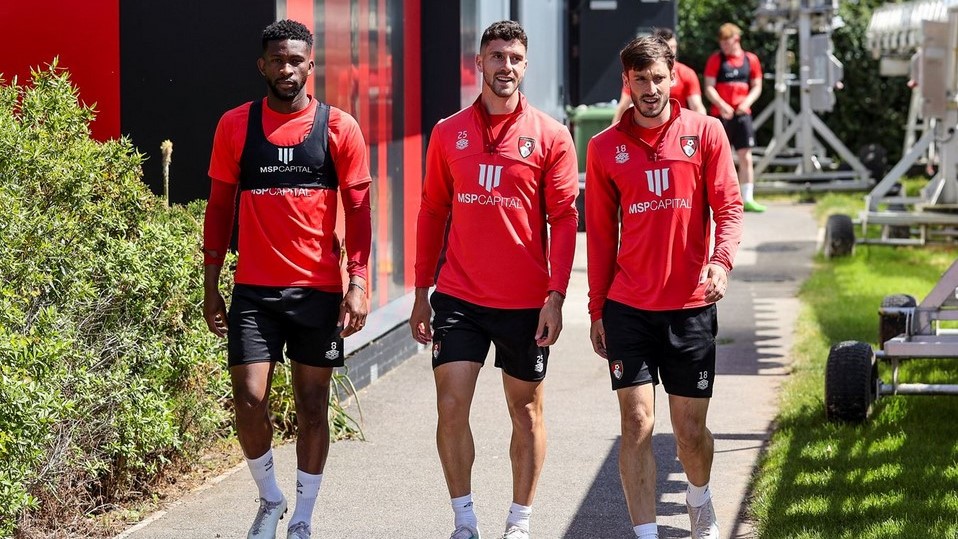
x=452 y=405
x=526 y=415
x=692 y=438
x=637 y=425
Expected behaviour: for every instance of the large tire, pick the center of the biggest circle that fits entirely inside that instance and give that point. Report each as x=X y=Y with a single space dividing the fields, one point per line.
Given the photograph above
x=893 y=324
x=839 y=236
x=851 y=382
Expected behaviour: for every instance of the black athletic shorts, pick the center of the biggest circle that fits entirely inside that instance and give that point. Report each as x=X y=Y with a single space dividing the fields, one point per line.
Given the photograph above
x=463 y=331
x=674 y=347
x=263 y=320
x=741 y=133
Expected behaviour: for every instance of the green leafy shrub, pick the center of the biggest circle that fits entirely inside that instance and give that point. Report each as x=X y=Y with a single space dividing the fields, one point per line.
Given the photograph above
x=107 y=372
x=108 y=376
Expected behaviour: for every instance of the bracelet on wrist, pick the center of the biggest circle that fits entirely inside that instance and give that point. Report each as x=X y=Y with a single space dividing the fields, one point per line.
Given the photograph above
x=359 y=286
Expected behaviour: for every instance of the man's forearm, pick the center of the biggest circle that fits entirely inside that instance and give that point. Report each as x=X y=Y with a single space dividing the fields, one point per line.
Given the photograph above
x=211 y=277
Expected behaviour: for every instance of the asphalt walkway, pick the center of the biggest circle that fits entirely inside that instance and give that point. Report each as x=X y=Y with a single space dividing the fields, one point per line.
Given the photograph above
x=391 y=485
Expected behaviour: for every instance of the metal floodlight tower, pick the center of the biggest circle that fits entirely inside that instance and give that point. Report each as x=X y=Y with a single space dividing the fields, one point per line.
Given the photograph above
x=819 y=73
x=909 y=330
x=894 y=37
x=932 y=28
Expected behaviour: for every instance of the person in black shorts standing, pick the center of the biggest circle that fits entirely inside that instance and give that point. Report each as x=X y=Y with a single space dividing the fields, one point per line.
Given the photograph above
x=290 y=158
x=660 y=177
x=733 y=82
x=503 y=175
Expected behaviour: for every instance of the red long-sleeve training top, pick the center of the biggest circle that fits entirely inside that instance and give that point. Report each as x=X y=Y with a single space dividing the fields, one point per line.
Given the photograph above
x=666 y=193
x=498 y=187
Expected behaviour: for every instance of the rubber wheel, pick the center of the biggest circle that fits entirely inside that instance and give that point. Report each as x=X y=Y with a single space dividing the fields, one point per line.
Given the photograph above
x=839 y=236
x=851 y=377
x=893 y=324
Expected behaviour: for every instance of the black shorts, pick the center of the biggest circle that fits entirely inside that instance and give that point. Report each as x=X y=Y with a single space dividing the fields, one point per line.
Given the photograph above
x=263 y=320
x=677 y=347
x=463 y=331
x=741 y=133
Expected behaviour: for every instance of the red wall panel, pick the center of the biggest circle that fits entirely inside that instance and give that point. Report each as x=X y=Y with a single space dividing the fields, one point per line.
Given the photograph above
x=86 y=38
x=412 y=131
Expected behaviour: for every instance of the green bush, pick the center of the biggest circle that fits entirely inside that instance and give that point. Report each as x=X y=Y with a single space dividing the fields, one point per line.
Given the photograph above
x=109 y=377
x=107 y=372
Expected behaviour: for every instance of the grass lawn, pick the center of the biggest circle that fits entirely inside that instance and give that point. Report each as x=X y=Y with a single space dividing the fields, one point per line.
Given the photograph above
x=894 y=476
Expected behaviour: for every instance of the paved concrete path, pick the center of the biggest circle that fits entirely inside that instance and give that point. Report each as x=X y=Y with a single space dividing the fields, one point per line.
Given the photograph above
x=391 y=485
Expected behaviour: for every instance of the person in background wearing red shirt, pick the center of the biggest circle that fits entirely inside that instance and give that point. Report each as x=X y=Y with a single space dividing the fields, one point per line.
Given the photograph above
x=504 y=176
x=685 y=89
x=733 y=81
x=659 y=173
x=287 y=155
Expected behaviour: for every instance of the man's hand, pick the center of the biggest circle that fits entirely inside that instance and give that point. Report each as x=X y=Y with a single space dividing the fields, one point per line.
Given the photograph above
x=550 y=320
x=214 y=311
x=419 y=318
x=726 y=111
x=717 y=282
x=354 y=308
x=597 y=336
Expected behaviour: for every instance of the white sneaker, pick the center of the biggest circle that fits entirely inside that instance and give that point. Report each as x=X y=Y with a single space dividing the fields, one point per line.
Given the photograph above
x=515 y=532
x=704 y=525
x=464 y=532
x=267 y=519
x=300 y=530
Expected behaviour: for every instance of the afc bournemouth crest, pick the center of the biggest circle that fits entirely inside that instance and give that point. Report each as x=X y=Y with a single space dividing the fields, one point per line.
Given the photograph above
x=526 y=145
x=617 y=369
x=689 y=145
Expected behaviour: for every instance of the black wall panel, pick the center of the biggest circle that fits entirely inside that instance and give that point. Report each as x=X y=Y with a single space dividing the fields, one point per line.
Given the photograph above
x=440 y=62
x=183 y=63
x=598 y=31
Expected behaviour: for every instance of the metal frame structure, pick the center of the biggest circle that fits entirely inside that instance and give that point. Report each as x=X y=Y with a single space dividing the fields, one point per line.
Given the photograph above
x=933 y=215
x=908 y=331
x=819 y=72
x=923 y=338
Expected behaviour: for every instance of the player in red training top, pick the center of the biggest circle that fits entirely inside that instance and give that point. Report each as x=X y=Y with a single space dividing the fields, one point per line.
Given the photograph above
x=733 y=81
x=504 y=176
x=659 y=173
x=287 y=155
x=685 y=88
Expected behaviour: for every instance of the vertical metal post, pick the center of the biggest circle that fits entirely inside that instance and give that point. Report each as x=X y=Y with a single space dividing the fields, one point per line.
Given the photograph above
x=804 y=74
x=781 y=85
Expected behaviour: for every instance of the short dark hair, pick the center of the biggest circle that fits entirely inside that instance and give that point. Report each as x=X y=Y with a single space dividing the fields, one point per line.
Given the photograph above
x=643 y=51
x=506 y=31
x=664 y=33
x=287 y=29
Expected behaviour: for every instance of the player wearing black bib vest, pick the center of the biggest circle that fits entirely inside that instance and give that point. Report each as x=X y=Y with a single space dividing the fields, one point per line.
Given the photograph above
x=289 y=159
x=733 y=82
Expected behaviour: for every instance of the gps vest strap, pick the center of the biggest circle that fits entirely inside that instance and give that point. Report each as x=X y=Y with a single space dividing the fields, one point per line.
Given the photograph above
x=729 y=73
x=306 y=165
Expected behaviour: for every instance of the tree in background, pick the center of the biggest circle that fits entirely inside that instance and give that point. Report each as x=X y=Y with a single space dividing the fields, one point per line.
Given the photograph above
x=870 y=108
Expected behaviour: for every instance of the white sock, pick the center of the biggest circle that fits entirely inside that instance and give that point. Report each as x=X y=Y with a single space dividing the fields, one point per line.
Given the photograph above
x=264 y=475
x=646 y=531
x=519 y=516
x=698 y=496
x=748 y=192
x=307 y=490
x=465 y=511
